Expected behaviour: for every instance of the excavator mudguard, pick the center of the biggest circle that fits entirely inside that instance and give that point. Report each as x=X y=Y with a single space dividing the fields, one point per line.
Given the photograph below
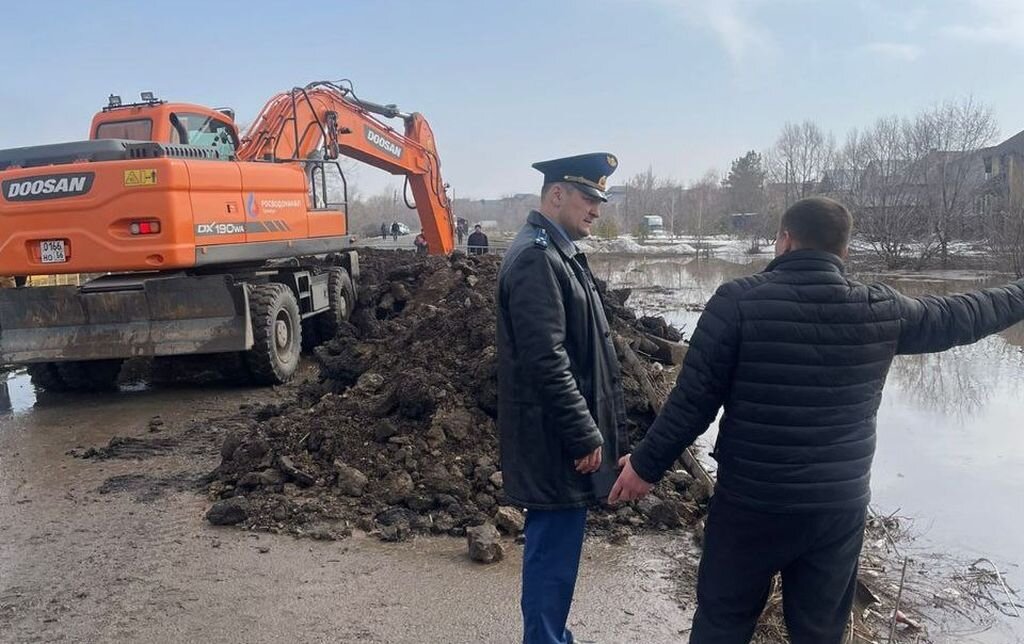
x=123 y=316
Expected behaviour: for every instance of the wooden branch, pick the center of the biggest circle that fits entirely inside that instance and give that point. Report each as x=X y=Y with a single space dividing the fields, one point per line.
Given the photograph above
x=689 y=457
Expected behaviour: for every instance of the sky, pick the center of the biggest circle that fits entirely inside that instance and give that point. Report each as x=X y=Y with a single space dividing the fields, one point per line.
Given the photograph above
x=680 y=86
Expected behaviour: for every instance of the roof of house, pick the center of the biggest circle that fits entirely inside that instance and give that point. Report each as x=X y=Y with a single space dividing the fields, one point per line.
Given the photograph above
x=1013 y=144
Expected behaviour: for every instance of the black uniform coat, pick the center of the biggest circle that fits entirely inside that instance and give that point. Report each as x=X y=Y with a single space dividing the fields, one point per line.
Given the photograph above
x=559 y=383
x=798 y=356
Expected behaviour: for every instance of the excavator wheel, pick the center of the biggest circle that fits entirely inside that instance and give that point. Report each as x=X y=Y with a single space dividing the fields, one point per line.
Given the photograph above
x=44 y=375
x=90 y=375
x=342 y=297
x=276 y=332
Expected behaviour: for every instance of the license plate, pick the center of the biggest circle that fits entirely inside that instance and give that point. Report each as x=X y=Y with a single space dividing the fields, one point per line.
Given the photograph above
x=51 y=251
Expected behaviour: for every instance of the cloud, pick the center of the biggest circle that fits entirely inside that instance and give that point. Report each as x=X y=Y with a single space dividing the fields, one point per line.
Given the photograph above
x=993 y=22
x=894 y=50
x=730 y=21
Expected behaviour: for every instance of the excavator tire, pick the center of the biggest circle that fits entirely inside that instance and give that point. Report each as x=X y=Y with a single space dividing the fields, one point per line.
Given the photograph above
x=44 y=375
x=90 y=375
x=342 y=297
x=276 y=332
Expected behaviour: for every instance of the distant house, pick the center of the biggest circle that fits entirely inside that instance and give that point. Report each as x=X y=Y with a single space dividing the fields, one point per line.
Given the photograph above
x=1003 y=188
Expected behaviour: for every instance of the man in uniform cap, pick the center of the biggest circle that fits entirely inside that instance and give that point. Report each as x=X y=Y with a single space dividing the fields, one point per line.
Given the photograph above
x=561 y=414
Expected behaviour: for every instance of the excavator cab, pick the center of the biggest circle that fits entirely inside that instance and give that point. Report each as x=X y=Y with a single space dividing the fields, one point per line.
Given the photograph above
x=163 y=122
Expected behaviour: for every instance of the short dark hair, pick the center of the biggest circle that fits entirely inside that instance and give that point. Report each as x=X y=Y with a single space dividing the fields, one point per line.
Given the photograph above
x=547 y=187
x=819 y=223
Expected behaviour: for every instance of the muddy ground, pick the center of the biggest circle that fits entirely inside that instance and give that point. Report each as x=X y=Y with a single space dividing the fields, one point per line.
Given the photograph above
x=117 y=549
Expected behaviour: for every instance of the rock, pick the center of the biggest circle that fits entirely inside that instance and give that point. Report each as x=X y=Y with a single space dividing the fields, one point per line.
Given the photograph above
x=697 y=491
x=647 y=504
x=231 y=442
x=485 y=544
x=250 y=480
x=400 y=292
x=625 y=515
x=446 y=500
x=287 y=466
x=456 y=423
x=395 y=516
x=392 y=533
x=419 y=502
x=370 y=382
x=271 y=477
x=497 y=480
x=229 y=511
x=396 y=486
x=510 y=520
x=443 y=523
x=619 y=536
x=156 y=424
x=485 y=500
x=680 y=480
x=384 y=430
x=483 y=472
x=435 y=436
x=350 y=481
x=666 y=513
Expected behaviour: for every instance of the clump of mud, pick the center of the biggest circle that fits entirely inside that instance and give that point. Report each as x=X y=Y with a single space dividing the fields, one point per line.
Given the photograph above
x=398 y=436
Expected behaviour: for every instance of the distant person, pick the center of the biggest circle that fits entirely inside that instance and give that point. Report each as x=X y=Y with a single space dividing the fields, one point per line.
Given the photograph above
x=460 y=232
x=797 y=355
x=421 y=243
x=395 y=230
x=477 y=242
x=383 y=231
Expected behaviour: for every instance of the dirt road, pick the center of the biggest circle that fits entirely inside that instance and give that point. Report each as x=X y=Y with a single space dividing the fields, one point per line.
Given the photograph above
x=116 y=549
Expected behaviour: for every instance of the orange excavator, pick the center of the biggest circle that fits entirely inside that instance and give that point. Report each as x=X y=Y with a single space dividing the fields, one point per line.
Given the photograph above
x=207 y=241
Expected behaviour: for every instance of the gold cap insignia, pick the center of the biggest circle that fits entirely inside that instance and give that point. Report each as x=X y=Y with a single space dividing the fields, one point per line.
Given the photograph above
x=612 y=161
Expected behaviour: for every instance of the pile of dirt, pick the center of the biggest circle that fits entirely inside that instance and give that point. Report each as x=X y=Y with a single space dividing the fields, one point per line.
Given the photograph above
x=398 y=435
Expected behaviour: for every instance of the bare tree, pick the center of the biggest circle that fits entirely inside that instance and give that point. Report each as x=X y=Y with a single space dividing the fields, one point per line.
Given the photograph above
x=953 y=133
x=1004 y=228
x=701 y=207
x=880 y=174
x=799 y=159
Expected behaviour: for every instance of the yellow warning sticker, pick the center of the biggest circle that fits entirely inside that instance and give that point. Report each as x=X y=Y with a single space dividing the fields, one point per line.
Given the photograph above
x=135 y=178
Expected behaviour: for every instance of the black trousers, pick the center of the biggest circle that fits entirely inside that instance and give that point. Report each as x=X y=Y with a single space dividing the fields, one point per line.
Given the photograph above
x=817 y=555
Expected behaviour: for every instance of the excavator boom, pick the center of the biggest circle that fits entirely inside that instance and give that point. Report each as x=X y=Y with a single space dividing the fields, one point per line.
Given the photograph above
x=327 y=117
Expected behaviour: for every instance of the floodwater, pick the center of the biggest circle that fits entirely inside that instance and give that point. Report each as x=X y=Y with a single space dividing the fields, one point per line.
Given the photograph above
x=950 y=429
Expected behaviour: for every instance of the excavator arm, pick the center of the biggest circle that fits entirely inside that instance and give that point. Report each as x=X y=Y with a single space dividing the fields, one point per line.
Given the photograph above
x=328 y=117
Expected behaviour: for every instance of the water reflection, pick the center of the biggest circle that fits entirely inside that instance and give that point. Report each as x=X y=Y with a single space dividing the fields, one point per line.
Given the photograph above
x=16 y=392
x=671 y=287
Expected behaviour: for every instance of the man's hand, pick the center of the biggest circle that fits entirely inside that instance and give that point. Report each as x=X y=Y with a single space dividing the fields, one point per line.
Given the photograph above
x=589 y=463
x=629 y=486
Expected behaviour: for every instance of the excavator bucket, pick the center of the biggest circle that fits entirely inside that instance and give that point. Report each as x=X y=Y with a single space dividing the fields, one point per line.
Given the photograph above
x=123 y=317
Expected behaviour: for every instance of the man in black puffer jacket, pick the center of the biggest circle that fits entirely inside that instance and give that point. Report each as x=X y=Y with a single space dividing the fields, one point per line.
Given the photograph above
x=798 y=356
